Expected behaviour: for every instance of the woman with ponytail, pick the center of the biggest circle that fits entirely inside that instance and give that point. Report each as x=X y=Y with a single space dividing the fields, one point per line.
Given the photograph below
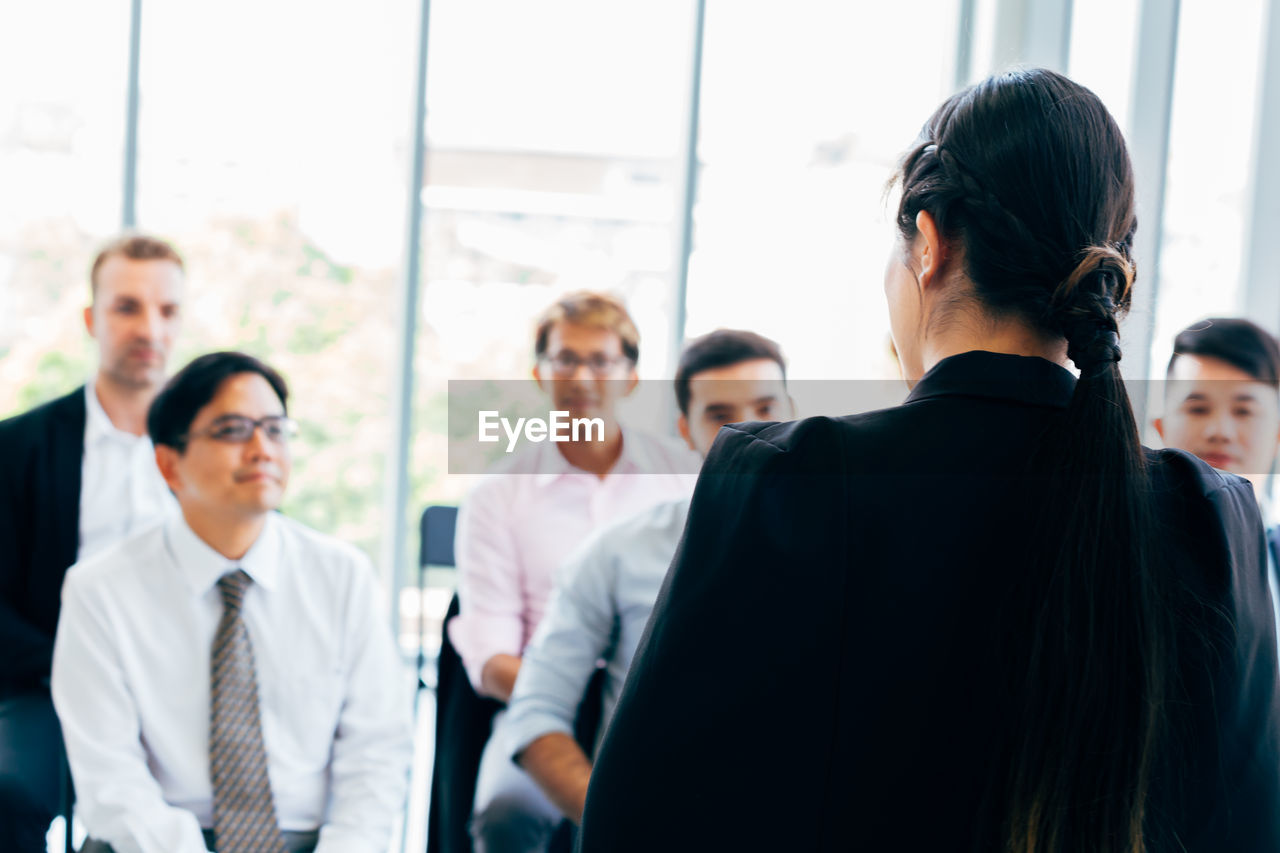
x=996 y=621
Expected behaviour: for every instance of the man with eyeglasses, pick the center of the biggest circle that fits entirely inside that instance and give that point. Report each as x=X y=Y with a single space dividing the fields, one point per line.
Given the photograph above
x=517 y=527
x=226 y=681
x=76 y=474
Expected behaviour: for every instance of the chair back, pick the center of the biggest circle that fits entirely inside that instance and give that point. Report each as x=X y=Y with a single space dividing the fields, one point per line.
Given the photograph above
x=435 y=548
x=437 y=528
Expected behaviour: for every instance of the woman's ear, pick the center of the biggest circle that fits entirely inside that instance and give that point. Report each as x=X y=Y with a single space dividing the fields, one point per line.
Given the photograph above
x=929 y=251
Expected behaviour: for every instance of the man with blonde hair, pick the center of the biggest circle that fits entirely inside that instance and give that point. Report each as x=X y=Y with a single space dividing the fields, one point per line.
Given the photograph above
x=77 y=474
x=515 y=529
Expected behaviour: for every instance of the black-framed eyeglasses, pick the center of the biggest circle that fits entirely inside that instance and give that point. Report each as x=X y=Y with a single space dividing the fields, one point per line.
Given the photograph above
x=240 y=428
x=567 y=363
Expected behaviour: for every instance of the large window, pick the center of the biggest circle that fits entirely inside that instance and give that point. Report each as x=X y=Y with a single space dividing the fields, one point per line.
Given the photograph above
x=554 y=135
x=275 y=156
x=62 y=119
x=274 y=149
x=1103 y=38
x=804 y=115
x=1210 y=149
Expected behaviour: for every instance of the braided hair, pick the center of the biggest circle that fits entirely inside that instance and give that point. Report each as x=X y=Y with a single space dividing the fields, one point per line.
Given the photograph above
x=1030 y=174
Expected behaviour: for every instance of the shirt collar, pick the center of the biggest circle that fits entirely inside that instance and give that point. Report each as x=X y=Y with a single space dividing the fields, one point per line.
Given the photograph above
x=551 y=464
x=201 y=566
x=97 y=423
x=1025 y=379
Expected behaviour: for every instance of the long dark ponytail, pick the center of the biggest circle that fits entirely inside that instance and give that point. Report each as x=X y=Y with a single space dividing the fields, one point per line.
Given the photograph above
x=1030 y=174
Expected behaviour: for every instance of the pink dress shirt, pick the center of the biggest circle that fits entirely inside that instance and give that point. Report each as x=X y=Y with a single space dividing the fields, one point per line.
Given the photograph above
x=520 y=524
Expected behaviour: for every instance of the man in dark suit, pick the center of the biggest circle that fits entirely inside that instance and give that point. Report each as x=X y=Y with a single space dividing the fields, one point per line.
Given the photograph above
x=76 y=475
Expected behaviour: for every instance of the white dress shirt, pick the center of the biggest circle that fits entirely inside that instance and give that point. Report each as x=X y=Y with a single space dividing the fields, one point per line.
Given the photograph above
x=121 y=490
x=131 y=687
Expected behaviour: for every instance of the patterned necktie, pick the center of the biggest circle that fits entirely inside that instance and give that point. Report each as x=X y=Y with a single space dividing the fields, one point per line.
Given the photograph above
x=244 y=814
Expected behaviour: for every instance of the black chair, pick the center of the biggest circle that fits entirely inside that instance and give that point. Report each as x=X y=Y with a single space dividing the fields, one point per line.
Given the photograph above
x=435 y=530
x=464 y=719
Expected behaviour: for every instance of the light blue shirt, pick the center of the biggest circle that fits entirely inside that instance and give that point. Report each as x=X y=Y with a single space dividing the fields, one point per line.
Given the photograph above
x=599 y=606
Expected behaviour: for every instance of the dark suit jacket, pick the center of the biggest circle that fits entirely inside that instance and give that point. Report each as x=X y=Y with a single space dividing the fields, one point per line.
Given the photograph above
x=826 y=666
x=40 y=458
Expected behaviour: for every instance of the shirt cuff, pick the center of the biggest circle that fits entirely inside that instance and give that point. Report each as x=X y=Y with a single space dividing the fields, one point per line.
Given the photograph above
x=478 y=638
x=524 y=725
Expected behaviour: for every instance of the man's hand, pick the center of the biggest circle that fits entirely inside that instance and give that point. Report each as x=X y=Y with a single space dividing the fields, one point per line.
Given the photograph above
x=561 y=769
x=498 y=677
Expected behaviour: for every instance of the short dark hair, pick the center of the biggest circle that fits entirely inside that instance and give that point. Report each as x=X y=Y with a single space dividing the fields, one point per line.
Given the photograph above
x=722 y=348
x=191 y=388
x=135 y=247
x=1240 y=343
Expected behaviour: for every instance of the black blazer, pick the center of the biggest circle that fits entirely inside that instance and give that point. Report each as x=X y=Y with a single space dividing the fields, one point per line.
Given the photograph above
x=40 y=458
x=824 y=668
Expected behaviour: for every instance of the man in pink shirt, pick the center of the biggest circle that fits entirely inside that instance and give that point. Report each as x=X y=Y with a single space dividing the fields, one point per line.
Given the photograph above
x=515 y=529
